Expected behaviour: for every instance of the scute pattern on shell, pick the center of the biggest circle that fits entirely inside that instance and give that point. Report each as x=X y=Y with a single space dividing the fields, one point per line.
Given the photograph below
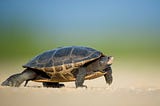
x=63 y=56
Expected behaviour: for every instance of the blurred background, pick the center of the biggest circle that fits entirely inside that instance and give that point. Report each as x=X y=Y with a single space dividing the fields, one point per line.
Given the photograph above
x=129 y=30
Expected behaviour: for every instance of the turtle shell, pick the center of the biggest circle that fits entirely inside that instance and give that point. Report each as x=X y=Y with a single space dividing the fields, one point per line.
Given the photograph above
x=59 y=63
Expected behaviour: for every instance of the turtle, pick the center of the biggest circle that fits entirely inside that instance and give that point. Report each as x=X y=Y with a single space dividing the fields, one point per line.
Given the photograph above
x=64 y=64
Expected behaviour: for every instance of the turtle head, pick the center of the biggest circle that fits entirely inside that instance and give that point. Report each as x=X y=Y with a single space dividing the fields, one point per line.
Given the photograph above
x=106 y=61
x=105 y=64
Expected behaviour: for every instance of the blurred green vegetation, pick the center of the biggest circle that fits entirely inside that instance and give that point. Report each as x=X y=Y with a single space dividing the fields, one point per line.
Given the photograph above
x=19 y=42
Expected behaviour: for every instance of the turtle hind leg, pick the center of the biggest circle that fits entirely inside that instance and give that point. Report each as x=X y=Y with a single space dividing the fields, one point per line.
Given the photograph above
x=17 y=79
x=53 y=85
x=14 y=80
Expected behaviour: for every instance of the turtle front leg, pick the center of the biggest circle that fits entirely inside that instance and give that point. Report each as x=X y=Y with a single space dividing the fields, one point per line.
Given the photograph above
x=80 y=77
x=17 y=79
x=108 y=76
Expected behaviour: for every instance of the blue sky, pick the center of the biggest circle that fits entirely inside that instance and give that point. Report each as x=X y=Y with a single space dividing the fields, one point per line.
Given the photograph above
x=93 y=16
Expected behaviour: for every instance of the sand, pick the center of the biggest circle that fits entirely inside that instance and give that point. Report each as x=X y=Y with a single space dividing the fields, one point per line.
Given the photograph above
x=129 y=88
x=126 y=90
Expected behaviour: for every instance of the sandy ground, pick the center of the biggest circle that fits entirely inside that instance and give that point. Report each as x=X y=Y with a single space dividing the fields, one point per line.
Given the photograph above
x=129 y=88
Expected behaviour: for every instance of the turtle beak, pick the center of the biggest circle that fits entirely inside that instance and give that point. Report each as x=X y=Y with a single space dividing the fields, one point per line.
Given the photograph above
x=110 y=60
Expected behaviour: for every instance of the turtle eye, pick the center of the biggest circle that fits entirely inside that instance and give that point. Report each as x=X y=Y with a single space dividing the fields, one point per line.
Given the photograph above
x=109 y=57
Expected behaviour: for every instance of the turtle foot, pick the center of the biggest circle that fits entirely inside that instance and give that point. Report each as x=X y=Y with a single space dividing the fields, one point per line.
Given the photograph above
x=13 y=81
